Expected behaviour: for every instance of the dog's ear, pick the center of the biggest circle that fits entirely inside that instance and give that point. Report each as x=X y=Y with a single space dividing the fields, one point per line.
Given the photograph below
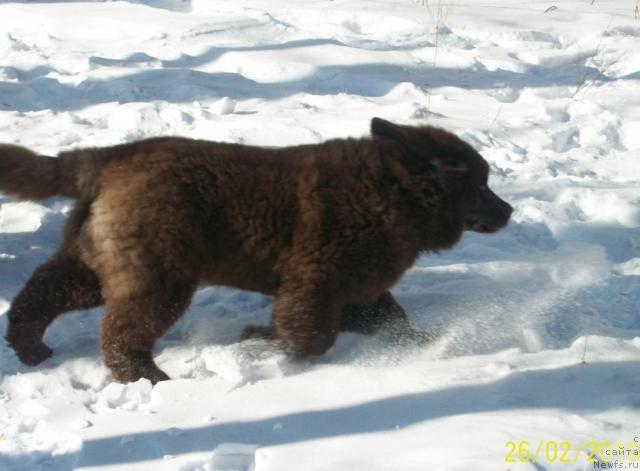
x=427 y=144
x=383 y=128
x=412 y=142
x=418 y=148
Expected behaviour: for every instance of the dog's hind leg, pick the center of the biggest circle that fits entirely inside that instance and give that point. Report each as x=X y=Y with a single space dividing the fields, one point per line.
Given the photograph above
x=138 y=313
x=60 y=285
x=383 y=315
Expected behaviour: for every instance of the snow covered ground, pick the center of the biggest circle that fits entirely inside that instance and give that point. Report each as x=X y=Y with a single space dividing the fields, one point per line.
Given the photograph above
x=539 y=324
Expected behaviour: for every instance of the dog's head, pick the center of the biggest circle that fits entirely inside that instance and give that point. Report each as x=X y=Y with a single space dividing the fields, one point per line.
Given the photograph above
x=448 y=174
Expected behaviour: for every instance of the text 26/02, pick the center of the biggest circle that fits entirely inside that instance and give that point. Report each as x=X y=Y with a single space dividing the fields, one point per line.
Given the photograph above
x=554 y=451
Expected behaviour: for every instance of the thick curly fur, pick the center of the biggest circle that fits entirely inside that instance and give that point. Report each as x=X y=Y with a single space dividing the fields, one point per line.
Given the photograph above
x=327 y=228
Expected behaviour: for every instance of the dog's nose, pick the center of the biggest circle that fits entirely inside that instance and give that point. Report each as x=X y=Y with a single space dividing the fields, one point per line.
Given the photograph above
x=508 y=209
x=503 y=214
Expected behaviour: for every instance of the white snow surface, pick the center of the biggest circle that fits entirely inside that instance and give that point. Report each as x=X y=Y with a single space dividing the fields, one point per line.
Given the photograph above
x=539 y=324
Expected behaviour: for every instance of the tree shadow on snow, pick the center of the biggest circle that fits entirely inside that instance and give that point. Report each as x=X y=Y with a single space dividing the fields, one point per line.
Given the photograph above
x=177 y=81
x=579 y=388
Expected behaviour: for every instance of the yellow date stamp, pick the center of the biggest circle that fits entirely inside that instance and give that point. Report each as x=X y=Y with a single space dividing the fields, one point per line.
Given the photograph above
x=564 y=451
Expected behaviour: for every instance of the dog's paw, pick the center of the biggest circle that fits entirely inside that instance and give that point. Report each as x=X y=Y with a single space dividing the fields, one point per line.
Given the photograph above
x=32 y=354
x=257 y=332
x=156 y=375
x=408 y=337
x=419 y=337
x=130 y=367
x=152 y=373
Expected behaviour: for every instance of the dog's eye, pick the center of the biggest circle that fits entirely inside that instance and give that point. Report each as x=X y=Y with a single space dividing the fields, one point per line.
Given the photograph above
x=484 y=187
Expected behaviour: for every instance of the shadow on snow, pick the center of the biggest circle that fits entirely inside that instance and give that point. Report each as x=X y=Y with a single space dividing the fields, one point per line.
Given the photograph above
x=176 y=81
x=570 y=388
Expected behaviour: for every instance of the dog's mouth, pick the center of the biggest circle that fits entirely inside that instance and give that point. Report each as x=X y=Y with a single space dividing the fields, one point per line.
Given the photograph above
x=489 y=215
x=489 y=220
x=484 y=227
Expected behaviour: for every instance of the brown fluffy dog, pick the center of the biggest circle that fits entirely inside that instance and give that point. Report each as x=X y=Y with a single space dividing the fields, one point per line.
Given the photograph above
x=326 y=228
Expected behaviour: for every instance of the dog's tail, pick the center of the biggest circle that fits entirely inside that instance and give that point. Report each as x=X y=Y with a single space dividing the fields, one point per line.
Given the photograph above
x=29 y=176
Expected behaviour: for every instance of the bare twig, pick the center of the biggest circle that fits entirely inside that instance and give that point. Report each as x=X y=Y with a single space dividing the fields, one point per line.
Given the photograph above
x=441 y=13
x=428 y=100
x=584 y=350
x=493 y=121
x=584 y=82
x=637 y=10
x=495 y=118
x=441 y=16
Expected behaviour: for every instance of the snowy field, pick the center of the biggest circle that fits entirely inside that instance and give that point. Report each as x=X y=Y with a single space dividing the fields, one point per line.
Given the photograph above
x=539 y=324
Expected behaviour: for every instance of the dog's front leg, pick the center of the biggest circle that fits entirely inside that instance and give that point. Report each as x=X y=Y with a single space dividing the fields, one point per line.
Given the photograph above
x=306 y=316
